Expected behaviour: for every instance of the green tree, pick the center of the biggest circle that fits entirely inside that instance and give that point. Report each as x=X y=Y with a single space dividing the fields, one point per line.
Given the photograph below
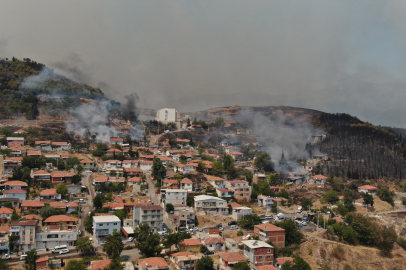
x=4 y=265
x=298 y=264
x=8 y=205
x=14 y=216
x=263 y=162
x=240 y=233
x=76 y=179
x=201 y=166
x=113 y=246
x=248 y=221
x=241 y=266
x=292 y=232
x=62 y=189
x=306 y=204
x=120 y=213
x=330 y=196
x=76 y=265
x=249 y=176
x=368 y=198
x=6 y=131
x=386 y=196
x=30 y=260
x=174 y=238
x=188 y=122
x=79 y=168
x=147 y=241
x=217 y=168
x=98 y=201
x=203 y=249
x=169 y=207
x=84 y=245
x=205 y=263
x=88 y=223
x=158 y=170
x=115 y=265
x=12 y=240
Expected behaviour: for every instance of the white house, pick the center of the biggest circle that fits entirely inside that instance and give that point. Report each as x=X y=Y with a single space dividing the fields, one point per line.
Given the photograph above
x=112 y=164
x=105 y=225
x=186 y=184
x=146 y=165
x=60 y=146
x=233 y=148
x=6 y=212
x=265 y=201
x=218 y=182
x=174 y=196
x=52 y=236
x=16 y=193
x=26 y=241
x=321 y=179
x=224 y=192
x=135 y=183
x=368 y=189
x=130 y=164
x=43 y=145
x=215 y=243
x=210 y=204
x=166 y=115
x=240 y=212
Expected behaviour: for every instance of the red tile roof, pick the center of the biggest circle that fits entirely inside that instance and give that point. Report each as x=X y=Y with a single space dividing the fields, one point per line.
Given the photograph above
x=5 y=210
x=186 y=181
x=58 y=204
x=59 y=143
x=190 y=242
x=62 y=174
x=100 y=265
x=73 y=204
x=116 y=139
x=16 y=183
x=33 y=153
x=32 y=204
x=24 y=223
x=60 y=218
x=234 y=204
x=134 y=179
x=51 y=191
x=214 y=240
x=267 y=267
x=154 y=262
x=368 y=187
x=183 y=253
x=232 y=257
x=41 y=172
x=132 y=170
x=16 y=190
x=4 y=229
x=235 y=153
x=42 y=142
x=87 y=161
x=42 y=259
x=319 y=176
x=37 y=217
x=269 y=228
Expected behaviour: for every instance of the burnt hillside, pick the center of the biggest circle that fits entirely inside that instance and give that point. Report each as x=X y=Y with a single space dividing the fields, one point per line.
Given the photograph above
x=359 y=149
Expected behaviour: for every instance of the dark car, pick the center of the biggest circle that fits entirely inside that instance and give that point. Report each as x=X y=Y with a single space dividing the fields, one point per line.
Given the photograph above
x=219 y=225
x=232 y=223
x=209 y=252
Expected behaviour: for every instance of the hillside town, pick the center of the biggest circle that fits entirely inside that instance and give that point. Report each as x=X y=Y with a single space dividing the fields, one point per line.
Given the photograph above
x=172 y=200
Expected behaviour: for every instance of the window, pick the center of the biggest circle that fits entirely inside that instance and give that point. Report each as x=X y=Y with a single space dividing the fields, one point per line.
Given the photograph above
x=63 y=236
x=101 y=225
x=115 y=224
x=269 y=250
x=268 y=257
x=259 y=257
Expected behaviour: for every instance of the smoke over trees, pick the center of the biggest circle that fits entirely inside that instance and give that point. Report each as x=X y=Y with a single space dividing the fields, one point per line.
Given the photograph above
x=129 y=109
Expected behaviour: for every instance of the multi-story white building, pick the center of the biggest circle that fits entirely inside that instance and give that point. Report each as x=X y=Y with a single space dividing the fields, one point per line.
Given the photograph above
x=26 y=230
x=210 y=204
x=258 y=253
x=105 y=225
x=174 y=196
x=240 y=212
x=60 y=146
x=265 y=201
x=186 y=184
x=166 y=115
x=148 y=213
x=186 y=217
x=52 y=236
x=233 y=148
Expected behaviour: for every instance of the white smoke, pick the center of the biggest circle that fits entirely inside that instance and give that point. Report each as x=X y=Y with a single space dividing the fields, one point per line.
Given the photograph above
x=279 y=133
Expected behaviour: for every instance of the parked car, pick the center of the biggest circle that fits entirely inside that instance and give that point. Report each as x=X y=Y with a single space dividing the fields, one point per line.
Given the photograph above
x=232 y=223
x=221 y=229
x=268 y=217
x=146 y=191
x=209 y=252
x=88 y=171
x=63 y=251
x=133 y=195
x=219 y=225
x=233 y=227
x=22 y=257
x=157 y=192
x=6 y=257
x=130 y=239
x=304 y=223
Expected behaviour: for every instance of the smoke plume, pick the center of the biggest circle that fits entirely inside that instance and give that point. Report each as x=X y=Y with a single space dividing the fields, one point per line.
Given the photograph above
x=129 y=110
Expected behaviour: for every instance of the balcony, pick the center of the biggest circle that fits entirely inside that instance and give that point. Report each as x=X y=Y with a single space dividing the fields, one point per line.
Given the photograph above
x=102 y=232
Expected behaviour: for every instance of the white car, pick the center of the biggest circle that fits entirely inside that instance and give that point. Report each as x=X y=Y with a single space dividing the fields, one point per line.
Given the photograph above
x=6 y=257
x=64 y=251
x=130 y=239
x=88 y=171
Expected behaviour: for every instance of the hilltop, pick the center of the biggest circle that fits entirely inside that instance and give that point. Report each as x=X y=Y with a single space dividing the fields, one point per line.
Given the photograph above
x=22 y=80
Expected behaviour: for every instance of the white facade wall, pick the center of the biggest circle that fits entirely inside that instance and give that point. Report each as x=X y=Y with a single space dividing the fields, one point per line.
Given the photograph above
x=52 y=239
x=105 y=225
x=166 y=115
x=175 y=196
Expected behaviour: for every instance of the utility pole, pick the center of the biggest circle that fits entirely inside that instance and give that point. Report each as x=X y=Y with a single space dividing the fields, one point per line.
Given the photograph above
x=318 y=218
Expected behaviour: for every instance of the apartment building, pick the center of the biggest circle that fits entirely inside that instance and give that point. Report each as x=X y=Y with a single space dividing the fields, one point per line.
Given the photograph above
x=105 y=225
x=4 y=240
x=184 y=260
x=18 y=151
x=269 y=232
x=148 y=213
x=174 y=196
x=265 y=201
x=15 y=141
x=50 y=195
x=258 y=253
x=210 y=204
x=40 y=175
x=60 y=146
x=26 y=230
x=166 y=115
x=242 y=190
x=10 y=162
x=186 y=184
x=186 y=217
x=240 y=212
x=55 y=235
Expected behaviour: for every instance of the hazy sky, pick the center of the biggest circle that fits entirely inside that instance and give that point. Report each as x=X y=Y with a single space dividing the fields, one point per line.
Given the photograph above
x=334 y=56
